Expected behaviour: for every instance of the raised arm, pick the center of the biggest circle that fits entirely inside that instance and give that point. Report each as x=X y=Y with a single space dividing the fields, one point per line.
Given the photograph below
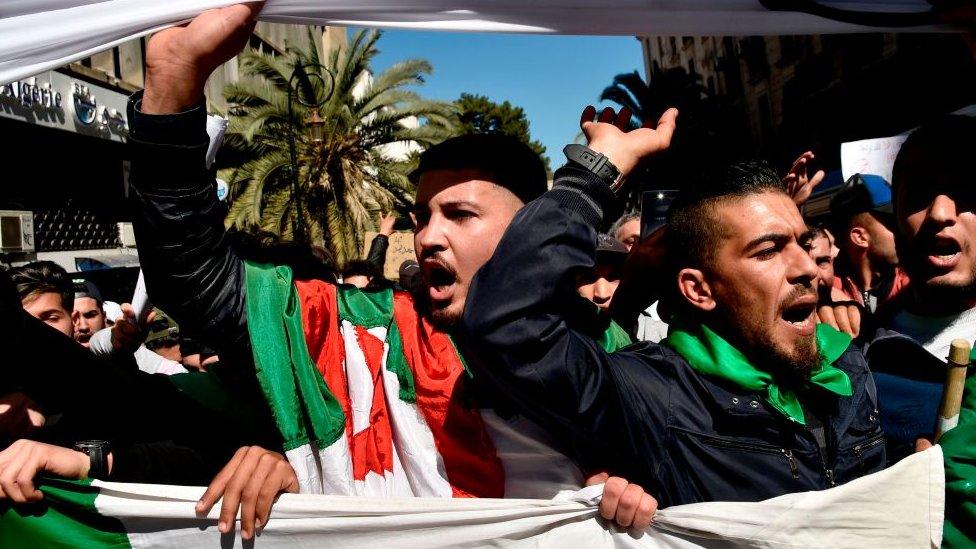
x=191 y=270
x=521 y=308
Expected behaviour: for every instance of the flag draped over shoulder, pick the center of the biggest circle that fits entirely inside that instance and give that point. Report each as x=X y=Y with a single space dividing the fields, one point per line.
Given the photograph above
x=366 y=394
x=40 y=35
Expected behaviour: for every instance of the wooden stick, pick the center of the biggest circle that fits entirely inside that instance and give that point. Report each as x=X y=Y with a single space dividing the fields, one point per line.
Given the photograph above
x=955 y=381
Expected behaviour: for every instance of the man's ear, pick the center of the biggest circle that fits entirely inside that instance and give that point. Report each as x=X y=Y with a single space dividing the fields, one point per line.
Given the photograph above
x=695 y=289
x=859 y=237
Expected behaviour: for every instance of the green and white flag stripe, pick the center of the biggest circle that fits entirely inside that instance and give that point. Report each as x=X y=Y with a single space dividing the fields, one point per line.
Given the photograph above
x=899 y=507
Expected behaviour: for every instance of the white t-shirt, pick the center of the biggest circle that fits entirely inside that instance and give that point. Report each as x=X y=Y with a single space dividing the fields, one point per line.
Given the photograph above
x=936 y=333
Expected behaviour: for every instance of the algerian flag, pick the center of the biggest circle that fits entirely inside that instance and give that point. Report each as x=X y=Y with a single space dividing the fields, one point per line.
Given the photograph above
x=898 y=507
x=959 y=446
x=365 y=393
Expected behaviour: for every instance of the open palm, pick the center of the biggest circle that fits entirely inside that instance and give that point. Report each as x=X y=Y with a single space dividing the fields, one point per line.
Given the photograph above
x=608 y=134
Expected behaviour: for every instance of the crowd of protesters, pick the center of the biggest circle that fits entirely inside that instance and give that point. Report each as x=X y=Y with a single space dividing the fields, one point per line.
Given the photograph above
x=733 y=351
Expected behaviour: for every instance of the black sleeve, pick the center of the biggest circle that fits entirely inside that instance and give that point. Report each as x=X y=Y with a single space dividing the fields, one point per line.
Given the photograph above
x=377 y=251
x=191 y=270
x=161 y=431
x=518 y=328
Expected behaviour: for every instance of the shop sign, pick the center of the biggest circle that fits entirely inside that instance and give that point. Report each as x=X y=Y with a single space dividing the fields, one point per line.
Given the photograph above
x=32 y=96
x=88 y=111
x=55 y=100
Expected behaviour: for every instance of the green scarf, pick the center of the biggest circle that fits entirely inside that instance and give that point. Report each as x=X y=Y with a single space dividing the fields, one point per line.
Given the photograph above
x=613 y=338
x=711 y=355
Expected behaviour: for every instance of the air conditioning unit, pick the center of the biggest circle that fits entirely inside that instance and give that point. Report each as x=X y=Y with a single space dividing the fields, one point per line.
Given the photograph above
x=16 y=231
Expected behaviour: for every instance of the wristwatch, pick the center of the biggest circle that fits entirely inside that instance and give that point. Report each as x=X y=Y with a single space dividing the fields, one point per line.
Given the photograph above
x=97 y=452
x=595 y=162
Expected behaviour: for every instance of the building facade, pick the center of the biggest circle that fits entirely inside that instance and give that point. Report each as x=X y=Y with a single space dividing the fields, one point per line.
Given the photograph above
x=815 y=92
x=67 y=164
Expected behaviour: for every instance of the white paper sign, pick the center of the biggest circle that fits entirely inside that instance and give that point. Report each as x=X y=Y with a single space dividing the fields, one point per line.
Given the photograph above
x=874 y=156
x=140 y=301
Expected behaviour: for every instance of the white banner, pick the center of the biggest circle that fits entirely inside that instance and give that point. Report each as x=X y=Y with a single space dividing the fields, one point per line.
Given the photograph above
x=37 y=35
x=899 y=507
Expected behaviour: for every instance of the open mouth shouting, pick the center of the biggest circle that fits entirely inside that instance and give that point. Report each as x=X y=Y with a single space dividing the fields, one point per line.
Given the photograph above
x=943 y=253
x=441 y=280
x=799 y=315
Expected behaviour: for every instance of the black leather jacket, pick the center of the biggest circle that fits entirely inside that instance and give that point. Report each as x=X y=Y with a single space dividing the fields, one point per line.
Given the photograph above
x=643 y=410
x=191 y=270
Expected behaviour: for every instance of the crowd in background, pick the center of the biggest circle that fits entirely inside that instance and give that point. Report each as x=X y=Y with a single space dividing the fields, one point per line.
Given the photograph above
x=721 y=347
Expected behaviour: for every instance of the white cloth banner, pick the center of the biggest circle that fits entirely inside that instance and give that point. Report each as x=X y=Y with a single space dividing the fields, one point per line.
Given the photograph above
x=38 y=35
x=899 y=507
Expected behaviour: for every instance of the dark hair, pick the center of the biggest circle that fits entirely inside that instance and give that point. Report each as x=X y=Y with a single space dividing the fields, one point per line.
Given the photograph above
x=360 y=267
x=307 y=262
x=162 y=342
x=692 y=231
x=818 y=230
x=947 y=142
x=507 y=161
x=42 y=277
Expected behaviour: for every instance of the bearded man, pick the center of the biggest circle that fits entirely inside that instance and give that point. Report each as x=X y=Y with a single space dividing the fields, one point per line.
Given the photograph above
x=748 y=398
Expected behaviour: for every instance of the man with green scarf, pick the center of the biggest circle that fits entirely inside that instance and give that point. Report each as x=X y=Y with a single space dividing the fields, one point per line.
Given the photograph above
x=748 y=398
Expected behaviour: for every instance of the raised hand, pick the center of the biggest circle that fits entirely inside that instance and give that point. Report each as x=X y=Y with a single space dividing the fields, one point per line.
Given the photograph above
x=798 y=182
x=179 y=60
x=386 y=224
x=252 y=481
x=608 y=134
x=844 y=316
x=644 y=278
x=127 y=334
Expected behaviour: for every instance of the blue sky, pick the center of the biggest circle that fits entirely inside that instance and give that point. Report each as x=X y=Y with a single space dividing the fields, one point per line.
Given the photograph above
x=551 y=77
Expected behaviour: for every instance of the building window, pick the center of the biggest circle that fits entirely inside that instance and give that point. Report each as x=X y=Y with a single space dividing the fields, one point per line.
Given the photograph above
x=259 y=45
x=790 y=49
x=117 y=62
x=765 y=117
x=754 y=53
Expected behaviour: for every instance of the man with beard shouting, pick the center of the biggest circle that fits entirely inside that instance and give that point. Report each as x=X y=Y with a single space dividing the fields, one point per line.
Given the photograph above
x=748 y=398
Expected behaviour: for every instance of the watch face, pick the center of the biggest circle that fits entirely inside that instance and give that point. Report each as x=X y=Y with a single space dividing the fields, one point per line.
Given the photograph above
x=87 y=446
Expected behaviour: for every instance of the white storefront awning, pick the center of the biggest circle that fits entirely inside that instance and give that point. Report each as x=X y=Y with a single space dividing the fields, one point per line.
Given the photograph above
x=38 y=35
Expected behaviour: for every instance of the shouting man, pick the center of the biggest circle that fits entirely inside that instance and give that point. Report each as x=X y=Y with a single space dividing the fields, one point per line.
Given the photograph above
x=748 y=398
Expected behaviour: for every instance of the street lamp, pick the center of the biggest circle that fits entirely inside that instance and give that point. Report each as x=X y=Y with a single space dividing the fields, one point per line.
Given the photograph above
x=314 y=121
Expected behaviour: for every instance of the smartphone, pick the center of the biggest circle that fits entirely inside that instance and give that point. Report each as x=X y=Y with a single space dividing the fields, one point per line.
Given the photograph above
x=654 y=210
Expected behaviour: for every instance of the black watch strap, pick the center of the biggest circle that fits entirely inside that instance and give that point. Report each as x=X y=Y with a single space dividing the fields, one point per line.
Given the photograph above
x=97 y=452
x=595 y=162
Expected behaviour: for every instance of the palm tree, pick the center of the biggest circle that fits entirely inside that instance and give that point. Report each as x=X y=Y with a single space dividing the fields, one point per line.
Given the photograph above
x=349 y=178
